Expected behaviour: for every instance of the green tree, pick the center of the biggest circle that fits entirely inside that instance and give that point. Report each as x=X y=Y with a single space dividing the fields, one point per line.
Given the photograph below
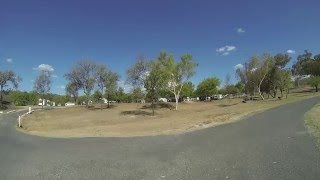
x=154 y=81
x=147 y=74
x=187 y=89
x=255 y=72
x=111 y=79
x=271 y=82
x=137 y=94
x=72 y=90
x=314 y=81
x=284 y=81
x=83 y=75
x=231 y=89
x=97 y=97
x=177 y=74
x=42 y=84
x=7 y=77
x=240 y=87
x=120 y=95
x=208 y=87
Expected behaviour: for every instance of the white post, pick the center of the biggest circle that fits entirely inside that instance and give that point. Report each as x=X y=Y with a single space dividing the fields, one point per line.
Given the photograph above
x=19 y=121
x=29 y=110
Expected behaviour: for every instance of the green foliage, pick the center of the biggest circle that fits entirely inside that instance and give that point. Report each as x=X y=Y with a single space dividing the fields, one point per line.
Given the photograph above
x=231 y=89
x=19 y=98
x=42 y=83
x=208 y=87
x=263 y=73
x=314 y=81
x=137 y=94
x=240 y=87
x=7 y=77
x=306 y=65
x=83 y=75
x=72 y=90
x=187 y=89
x=60 y=99
x=97 y=97
x=176 y=74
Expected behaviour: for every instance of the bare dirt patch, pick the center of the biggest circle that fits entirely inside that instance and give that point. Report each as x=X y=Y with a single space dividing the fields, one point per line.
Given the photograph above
x=125 y=120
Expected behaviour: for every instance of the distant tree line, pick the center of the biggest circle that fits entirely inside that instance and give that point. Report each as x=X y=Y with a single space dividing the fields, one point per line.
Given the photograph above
x=88 y=81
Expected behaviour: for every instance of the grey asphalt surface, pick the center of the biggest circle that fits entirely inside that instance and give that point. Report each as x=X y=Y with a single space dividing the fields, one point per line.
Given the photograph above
x=271 y=145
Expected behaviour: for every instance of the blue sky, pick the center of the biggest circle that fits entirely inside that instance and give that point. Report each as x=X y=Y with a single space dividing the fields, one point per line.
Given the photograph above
x=115 y=32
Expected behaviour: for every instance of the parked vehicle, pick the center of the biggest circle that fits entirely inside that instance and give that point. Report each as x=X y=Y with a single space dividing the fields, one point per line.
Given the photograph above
x=163 y=100
x=217 y=96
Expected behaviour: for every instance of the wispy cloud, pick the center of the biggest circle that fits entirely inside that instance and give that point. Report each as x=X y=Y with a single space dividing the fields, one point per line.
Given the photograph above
x=225 y=50
x=61 y=87
x=44 y=67
x=9 y=60
x=225 y=53
x=240 y=30
x=290 y=51
x=238 y=66
x=54 y=76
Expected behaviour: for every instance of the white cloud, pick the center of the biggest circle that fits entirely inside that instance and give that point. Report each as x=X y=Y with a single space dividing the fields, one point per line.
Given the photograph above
x=44 y=67
x=291 y=51
x=225 y=50
x=54 y=76
x=240 y=30
x=9 y=60
x=225 y=54
x=238 y=66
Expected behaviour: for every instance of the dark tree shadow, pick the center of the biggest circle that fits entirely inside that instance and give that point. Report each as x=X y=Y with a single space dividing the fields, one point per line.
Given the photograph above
x=160 y=105
x=227 y=105
x=98 y=107
x=136 y=112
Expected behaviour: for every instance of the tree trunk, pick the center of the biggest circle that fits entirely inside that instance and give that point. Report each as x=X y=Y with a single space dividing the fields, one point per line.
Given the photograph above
x=108 y=100
x=281 y=91
x=152 y=105
x=87 y=102
x=177 y=101
x=317 y=89
x=75 y=100
x=259 y=91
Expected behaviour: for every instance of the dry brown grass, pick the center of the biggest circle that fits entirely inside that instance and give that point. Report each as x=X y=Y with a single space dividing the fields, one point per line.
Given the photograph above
x=312 y=120
x=135 y=120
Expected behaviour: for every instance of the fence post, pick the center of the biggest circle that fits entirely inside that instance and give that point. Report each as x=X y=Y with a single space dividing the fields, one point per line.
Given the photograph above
x=19 y=121
x=29 y=110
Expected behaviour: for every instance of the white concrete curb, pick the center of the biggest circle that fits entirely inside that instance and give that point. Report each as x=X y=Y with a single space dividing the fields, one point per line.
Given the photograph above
x=20 y=117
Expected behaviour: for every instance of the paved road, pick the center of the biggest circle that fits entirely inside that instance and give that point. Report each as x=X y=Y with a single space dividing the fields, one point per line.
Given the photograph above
x=270 y=145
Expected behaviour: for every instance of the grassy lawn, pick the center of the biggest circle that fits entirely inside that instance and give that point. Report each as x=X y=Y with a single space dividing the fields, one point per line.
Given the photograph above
x=135 y=119
x=312 y=119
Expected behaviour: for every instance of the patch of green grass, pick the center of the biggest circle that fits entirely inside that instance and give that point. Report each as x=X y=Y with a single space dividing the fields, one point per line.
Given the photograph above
x=312 y=120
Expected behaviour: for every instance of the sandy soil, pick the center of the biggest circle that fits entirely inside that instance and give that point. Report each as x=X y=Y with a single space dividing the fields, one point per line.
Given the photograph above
x=125 y=120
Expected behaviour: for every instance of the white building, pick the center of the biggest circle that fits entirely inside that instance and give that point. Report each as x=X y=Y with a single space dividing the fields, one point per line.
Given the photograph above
x=43 y=102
